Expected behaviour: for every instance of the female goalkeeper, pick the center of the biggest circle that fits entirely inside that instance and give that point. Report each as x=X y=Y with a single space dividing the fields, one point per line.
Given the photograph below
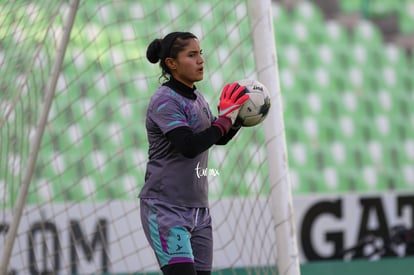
x=180 y=129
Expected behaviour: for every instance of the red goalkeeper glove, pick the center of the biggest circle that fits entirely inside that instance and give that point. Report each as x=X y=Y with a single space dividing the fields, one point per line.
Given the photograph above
x=232 y=97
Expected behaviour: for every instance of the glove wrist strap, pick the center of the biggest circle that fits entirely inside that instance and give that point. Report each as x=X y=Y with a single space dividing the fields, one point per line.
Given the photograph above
x=224 y=124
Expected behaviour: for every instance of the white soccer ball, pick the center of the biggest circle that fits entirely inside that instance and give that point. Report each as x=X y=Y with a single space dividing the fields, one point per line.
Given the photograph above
x=256 y=108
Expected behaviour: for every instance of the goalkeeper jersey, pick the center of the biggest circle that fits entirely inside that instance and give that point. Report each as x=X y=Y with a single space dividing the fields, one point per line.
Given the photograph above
x=170 y=176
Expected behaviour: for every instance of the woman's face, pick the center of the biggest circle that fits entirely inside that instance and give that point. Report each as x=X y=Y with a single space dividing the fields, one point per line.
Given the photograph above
x=188 y=67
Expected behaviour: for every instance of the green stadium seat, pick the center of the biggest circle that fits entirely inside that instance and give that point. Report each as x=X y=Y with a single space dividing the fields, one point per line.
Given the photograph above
x=292 y=57
x=39 y=192
x=294 y=130
x=351 y=6
x=295 y=181
x=389 y=78
x=346 y=103
x=126 y=187
x=380 y=127
x=355 y=77
x=361 y=55
x=335 y=34
x=301 y=156
x=395 y=57
x=302 y=33
x=408 y=150
x=337 y=155
x=375 y=150
x=282 y=32
x=372 y=180
x=367 y=33
x=322 y=80
x=408 y=176
x=384 y=103
x=402 y=125
x=50 y=164
x=292 y=84
x=253 y=184
x=230 y=185
x=287 y=55
x=326 y=56
x=311 y=128
x=214 y=188
x=370 y=9
x=406 y=17
x=134 y=163
x=348 y=119
x=329 y=130
x=361 y=80
x=314 y=104
x=110 y=182
x=303 y=181
x=281 y=21
x=397 y=155
x=308 y=22
x=308 y=13
x=63 y=186
x=332 y=180
x=8 y=194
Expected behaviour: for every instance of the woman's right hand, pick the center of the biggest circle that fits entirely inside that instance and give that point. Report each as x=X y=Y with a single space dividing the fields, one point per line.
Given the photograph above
x=232 y=98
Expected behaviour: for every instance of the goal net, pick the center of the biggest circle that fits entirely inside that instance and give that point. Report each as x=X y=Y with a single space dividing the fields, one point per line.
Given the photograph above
x=81 y=212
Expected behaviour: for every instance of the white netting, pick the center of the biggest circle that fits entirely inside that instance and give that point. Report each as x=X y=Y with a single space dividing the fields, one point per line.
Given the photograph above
x=82 y=211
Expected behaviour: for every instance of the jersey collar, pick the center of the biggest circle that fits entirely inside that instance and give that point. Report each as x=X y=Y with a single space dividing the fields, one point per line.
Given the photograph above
x=181 y=88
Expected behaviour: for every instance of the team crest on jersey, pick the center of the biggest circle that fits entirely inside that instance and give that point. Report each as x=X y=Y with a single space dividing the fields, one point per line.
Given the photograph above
x=206 y=112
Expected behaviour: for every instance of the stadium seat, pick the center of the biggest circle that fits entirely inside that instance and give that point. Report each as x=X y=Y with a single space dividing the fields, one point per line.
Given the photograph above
x=351 y=6
x=281 y=23
x=8 y=193
x=347 y=102
x=335 y=34
x=308 y=13
x=333 y=181
x=367 y=33
x=406 y=17
x=396 y=58
x=301 y=156
x=304 y=181
x=289 y=57
x=407 y=177
x=326 y=55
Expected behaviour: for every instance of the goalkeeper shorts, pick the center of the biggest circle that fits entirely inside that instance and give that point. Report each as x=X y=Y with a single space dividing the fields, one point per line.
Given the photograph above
x=178 y=234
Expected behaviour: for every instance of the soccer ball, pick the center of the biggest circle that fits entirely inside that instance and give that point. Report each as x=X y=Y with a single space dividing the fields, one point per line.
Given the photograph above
x=256 y=108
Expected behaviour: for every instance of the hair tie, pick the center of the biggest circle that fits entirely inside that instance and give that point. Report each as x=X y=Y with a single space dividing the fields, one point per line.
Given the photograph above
x=167 y=43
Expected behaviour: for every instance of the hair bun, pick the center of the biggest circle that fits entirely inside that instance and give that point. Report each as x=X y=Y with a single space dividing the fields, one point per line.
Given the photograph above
x=154 y=51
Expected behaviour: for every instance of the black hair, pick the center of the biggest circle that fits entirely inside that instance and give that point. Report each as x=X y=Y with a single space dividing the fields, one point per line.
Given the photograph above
x=169 y=46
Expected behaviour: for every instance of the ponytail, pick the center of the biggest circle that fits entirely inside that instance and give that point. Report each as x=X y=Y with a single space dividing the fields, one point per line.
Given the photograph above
x=169 y=46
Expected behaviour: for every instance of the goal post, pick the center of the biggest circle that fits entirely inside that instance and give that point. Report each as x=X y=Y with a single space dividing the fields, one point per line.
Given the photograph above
x=280 y=189
x=70 y=176
x=35 y=146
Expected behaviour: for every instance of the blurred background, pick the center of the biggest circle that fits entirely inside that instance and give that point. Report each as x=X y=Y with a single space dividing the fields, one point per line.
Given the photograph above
x=346 y=77
x=347 y=88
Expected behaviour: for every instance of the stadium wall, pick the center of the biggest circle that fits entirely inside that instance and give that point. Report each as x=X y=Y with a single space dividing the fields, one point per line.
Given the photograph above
x=326 y=226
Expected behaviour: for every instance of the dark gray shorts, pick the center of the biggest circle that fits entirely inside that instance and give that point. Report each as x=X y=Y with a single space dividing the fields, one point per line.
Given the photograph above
x=178 y=234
